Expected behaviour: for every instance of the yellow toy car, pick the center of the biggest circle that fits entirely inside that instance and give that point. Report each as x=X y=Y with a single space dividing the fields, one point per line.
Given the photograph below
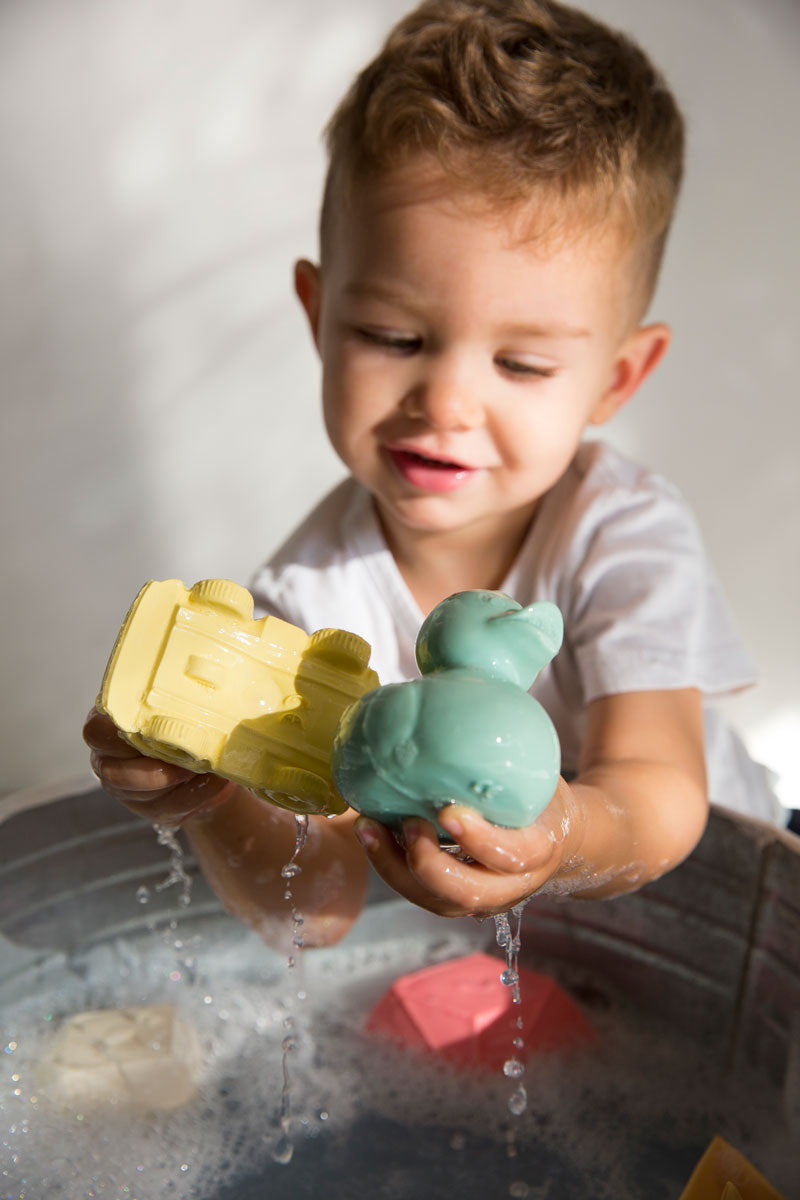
x=194 y=680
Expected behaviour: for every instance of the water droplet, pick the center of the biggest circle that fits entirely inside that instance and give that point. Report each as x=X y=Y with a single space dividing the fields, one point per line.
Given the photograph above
x=513 y=1068
x=509 y=977
x=290 y=870
x=143 y=895
x=518 y=1102
x=503 y=929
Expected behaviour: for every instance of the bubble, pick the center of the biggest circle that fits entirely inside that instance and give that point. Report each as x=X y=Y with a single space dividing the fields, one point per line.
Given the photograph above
x=513 y=1068
x=518 y=1101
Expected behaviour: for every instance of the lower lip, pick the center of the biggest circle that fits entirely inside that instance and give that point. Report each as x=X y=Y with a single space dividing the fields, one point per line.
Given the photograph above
x=429 y=476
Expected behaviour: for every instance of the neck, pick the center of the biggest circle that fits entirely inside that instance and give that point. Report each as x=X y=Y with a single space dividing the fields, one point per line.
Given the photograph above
x=434 y=565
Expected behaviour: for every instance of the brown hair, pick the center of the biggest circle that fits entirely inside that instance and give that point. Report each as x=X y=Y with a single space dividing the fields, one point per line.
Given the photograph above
x=513 y=96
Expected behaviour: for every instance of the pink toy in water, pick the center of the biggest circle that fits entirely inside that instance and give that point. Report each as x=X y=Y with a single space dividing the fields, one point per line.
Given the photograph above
x=461 y=1011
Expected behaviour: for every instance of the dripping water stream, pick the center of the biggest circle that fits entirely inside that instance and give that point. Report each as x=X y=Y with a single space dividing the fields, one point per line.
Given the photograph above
x=508 y=940
x=284 y=1147
x=177 y=876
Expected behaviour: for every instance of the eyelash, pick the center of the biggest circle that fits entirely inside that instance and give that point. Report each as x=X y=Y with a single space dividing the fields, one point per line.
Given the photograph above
x=525 y=369
x=403 y=345
x=409 y=345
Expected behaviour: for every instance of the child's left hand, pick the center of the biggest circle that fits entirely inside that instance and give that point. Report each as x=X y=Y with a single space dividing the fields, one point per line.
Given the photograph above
x=636 y=808
x=503 y=867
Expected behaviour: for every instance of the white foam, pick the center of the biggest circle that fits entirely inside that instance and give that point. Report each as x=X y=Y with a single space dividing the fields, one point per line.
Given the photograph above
x=592 y=1107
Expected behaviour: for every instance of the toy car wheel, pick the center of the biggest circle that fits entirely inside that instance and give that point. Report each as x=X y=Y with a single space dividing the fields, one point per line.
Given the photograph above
x=303 y=792
x=181 y=742
x=223 y=593
x=347 y=651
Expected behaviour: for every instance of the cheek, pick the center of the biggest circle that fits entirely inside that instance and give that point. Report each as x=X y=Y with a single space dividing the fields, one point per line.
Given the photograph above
x=541 y=431
x=349 y=405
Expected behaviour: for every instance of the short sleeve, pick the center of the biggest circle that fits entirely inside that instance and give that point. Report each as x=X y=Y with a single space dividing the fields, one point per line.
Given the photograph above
x=646 y=611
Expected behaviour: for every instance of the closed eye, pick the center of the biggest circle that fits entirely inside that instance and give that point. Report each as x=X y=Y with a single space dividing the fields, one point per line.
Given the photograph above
x=398 y=342
x=513 y=366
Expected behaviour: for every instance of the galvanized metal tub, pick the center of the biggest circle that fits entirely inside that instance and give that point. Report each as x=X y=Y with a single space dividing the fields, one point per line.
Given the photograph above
x=693 y=985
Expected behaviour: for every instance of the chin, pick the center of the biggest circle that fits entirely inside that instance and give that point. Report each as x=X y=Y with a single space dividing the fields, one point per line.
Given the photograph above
x=428 y=514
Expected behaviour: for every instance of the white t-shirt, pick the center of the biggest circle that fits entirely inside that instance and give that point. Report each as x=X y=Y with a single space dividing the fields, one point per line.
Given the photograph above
x=619 y=552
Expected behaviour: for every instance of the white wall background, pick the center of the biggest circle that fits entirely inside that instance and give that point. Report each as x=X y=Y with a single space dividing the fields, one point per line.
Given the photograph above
x=160 y=167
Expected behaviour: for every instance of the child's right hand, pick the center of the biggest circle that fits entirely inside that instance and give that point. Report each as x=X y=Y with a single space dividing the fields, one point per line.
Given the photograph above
x=161 y=792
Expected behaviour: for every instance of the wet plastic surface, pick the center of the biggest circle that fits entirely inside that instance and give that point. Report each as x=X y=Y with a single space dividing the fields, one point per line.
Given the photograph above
x=468 y=731
x=194 y=680
x=462 y=1011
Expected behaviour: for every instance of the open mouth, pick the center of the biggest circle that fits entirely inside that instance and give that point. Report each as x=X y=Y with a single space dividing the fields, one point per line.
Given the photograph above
x=427 y=472
x=427 y=460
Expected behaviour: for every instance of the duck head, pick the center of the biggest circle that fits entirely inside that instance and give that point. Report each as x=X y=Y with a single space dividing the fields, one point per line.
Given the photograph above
x=492 y=634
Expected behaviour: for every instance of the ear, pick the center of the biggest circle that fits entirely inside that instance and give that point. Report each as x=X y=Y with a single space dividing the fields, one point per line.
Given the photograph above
x=639 y=354
x=307 y=289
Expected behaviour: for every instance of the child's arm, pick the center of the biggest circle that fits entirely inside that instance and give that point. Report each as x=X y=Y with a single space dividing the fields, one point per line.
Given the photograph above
x=241 y=842
x=637 y=807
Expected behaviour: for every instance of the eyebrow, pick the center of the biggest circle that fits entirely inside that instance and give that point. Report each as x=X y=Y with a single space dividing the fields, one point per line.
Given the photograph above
x=556 y=330
x=377 y=291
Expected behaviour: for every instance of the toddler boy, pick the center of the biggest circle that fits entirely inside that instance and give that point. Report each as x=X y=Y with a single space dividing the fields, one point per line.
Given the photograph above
x=502 y=179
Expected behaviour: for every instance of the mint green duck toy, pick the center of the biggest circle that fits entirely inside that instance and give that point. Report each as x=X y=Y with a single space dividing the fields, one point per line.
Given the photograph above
x=468 y=731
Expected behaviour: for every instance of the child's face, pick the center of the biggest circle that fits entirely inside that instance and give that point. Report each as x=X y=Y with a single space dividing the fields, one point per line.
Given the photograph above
x=461 y=363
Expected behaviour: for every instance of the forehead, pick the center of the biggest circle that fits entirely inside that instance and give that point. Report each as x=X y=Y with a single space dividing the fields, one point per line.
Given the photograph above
x=420 y=193
x=416 y=221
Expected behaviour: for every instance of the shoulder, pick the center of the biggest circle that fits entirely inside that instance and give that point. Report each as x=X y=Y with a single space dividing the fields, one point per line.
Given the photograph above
x=323 y=534
x=314 y=555
x=601 y=475
x=606 y=510
x=606 y=499
x=640 y=596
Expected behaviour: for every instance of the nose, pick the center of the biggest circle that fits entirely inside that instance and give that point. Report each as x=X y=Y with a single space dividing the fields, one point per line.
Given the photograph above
x=445 y=396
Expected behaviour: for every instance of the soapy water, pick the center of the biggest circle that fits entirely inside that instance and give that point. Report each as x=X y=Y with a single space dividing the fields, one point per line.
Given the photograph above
x=581 y=1118
x=625 y=1118
x=238 y=1004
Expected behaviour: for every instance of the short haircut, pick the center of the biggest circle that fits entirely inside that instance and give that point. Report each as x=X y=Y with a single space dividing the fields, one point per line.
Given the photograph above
x=516 y=98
